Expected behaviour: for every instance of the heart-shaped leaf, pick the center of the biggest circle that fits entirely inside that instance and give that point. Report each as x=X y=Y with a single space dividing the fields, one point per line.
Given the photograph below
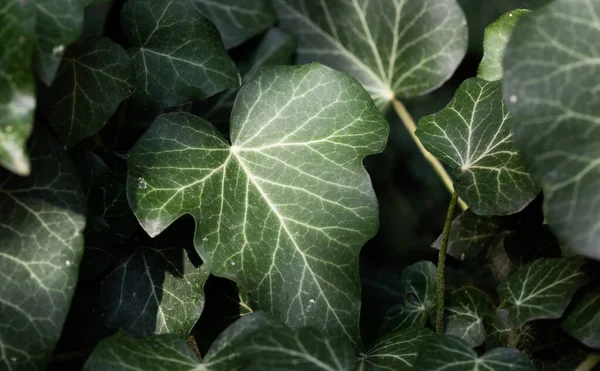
x=285 y=209
x=177 y=53
x=394 y=48
x=237 y=20
x=17 y=97
x=452 y=354
x=42 y=217
x=418 y=286
x=542 y=289
x=550 y=87
x=93 y=78
x=473 y=135
x=469 y=311
x=396 y=351
x=398 y=318
x=583 y=322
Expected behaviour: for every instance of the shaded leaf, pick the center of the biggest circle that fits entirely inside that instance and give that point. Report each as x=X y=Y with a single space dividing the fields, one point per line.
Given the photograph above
x=177 y=53
x=395 y=351
x=466 y=316
x=495 y=40
x=418 y=287
x=473 y=135
x=93 y=78
x=550 y=87
x=452 y=354
x=542 y=289
x=41 y=223
x=17 y=91
x=398 y=318
x=293 y=248
x=583 y=322
x=236 y=20
x=498 y=330
x=394 y=48
x=530 y=243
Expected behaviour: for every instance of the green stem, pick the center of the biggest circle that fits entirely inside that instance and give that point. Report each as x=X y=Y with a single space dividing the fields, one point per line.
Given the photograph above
x=589 y=362
x=439 y=320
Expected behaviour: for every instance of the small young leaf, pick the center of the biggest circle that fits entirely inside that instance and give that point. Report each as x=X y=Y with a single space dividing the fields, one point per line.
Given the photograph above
x=237 y=20
x=473 y=135
x=398 y=318
x=469 y=311
x=418 y=287
x=93 y=78
x=583 y=322
x=396 y=351
x=177 y=53
x=452 y=354
x=542 y=289
x=286 y=208
x=42 y=217
x=394 y=48
x=550 y=80
x=495 y=40
x=498 y=330
x=17 y=97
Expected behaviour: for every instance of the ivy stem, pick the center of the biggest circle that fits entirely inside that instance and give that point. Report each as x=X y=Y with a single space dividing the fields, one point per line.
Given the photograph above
x=437 y=166
x=441 y=286
x=589 y=362
x=191 y=340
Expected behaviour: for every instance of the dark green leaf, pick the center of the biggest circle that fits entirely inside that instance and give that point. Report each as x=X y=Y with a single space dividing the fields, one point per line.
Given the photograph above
x=285 y=210
x=41 y=222
x=542 y=289
x=530 y=243
x=583 y=322
x=466 y=316
x=177 y=53
x=498 y=330
x=394 y=48
x=93 y=78
x=398 y=317
x=237 y=20
x=495 y=40
x=452 y=354
x=473 y=135
x=17 y=96
x=418 y=287
x=551 y=74
x=396 y=351
x=94 y=18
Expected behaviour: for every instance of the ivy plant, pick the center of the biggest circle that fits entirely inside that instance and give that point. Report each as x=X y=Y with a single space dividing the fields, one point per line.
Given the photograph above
x=183 y=186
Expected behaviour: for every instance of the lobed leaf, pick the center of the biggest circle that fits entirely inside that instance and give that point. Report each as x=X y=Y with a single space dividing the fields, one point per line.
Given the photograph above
x=469 y=311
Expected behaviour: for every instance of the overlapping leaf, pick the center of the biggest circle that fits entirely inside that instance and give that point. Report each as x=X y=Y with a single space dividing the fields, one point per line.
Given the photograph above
x=93 y=79
x=542 y=289
x=469 y=311
x=293 y=248
x=498 y=330
x=396 y=351
x=41 y=222
x=395 y=48
x=177 y=53
x=17 y=96
x=473 y=136
x=551 y=75
x=583 y=323
x=452 y=354
x=236 y=20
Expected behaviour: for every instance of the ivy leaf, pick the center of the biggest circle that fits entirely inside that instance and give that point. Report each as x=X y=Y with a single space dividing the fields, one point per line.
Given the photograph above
x=469 y=311
x=394 y=48
x=550 y=88
x=452 y=354
x=293 y=248
x=17 y=102
x=418 y=287
x=542 y=289
x=583 y=322
x=42 y=217
x=93 y=78
x=398 y=318
x=473 y=135
x=494 y=42
x=396 y=351
x=498 y=330
x=238 y=21
x=177 y=53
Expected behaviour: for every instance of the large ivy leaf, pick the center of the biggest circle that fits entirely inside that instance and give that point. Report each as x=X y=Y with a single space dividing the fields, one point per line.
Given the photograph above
x=177 y=53
x=542 y=289
x=93 y=78
x=583 y=322
x=238 y=21
x=452 y=354
x=41 y=222
x=550 y=87
x=469 y=311
x=394 y=48
x=17 y=96
x=396 y=351
x=285 y=209
x=473 y=136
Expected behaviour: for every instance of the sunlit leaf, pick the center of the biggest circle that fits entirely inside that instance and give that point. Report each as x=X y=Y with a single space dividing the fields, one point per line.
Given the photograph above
x=583 y=322
x=395 y=351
